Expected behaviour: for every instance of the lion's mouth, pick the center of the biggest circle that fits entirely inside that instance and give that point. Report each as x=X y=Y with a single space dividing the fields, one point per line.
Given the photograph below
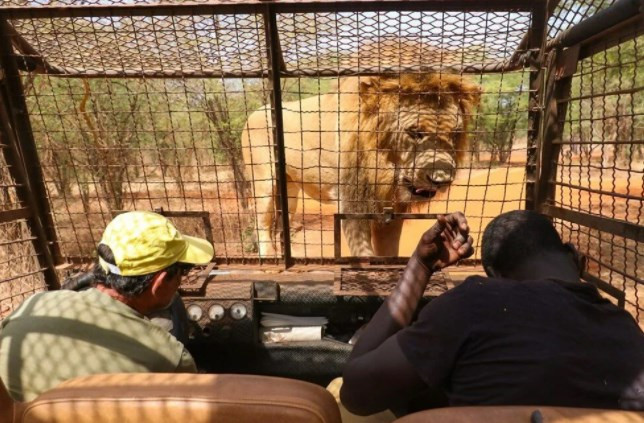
x=420 y=191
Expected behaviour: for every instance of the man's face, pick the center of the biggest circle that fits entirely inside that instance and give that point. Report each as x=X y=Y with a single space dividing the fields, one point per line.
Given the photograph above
x=173 y=284
x=166 y=285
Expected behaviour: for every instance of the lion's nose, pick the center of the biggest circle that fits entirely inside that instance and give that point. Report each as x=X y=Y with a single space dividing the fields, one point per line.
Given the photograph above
x=441 y=173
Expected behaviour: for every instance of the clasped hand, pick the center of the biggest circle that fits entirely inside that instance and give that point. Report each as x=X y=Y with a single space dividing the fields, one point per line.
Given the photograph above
x=446 y=242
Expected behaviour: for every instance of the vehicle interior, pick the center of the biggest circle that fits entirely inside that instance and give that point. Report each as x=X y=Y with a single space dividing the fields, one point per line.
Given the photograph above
x=235 y=120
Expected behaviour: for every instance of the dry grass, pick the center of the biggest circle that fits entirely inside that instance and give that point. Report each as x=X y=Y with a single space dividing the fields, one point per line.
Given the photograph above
x=80 y=223
x=20 y=274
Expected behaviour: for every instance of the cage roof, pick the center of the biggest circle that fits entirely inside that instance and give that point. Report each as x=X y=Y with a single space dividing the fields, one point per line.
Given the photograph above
x=166 y=38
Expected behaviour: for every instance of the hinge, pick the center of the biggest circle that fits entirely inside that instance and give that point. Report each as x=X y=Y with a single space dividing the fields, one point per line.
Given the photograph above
x=567 y=62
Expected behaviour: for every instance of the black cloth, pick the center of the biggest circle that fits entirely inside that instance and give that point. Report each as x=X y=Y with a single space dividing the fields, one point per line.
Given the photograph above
x=495 y=341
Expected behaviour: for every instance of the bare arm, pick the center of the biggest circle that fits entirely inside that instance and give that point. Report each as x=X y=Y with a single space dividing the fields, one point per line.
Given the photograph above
x=378 y=375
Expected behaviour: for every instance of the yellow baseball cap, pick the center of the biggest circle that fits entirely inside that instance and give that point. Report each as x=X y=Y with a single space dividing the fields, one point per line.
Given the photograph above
x=145 y=242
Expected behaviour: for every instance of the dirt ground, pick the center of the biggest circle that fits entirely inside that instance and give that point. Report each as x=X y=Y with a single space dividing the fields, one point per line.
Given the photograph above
x=480 y=193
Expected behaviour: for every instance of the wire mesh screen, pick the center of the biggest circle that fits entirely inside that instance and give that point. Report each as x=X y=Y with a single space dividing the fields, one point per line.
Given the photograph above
x=110 y=145
x=175 y=112
x=380 y=42
x=160 y=141
x=378 y=141
x=330 y=152
x=20 y=272
x=567 y=13
x=187 y=109
x=151 y=46
x=600 y=170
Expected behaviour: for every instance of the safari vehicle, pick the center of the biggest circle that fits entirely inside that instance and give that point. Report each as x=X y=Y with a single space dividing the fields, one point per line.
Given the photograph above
x=290 y=134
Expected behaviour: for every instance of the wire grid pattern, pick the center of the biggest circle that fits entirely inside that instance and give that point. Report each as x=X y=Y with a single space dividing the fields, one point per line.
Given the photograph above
x=150 y=45
x=571 y=12
x=566 y=13
x=110 y=144
x=611 y=258
x=600 y=170
x=489 y=181
x=384 y=41
x=20 y=272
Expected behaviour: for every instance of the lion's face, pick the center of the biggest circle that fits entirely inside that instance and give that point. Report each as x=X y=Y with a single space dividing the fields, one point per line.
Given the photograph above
x=419 y=121
x=426 y=148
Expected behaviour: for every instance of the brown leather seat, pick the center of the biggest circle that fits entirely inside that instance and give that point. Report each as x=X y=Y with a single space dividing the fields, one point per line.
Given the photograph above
x=190 y=398
x=518 y=414
x=6 y=405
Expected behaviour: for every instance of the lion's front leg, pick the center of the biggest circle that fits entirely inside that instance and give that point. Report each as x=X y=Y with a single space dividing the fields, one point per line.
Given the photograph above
x=356 y=231
x=358 y=235
x=265 y=209
x=385 y=237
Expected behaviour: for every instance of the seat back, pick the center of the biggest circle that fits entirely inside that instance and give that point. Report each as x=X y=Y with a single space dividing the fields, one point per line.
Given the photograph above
x=148 y=398
x=518 y=414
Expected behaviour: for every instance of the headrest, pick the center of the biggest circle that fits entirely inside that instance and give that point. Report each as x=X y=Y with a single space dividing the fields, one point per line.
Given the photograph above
x=190 y=398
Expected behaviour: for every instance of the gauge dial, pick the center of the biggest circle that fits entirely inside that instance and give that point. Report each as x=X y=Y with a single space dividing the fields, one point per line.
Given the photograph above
x=238 y=311
x=194 y=312
x=216 y=312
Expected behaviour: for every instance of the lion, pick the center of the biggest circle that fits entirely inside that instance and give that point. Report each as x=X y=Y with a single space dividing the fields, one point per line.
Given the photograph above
x=369 y=143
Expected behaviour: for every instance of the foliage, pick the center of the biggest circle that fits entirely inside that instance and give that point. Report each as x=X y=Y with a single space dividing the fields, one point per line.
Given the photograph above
x=610 y=105
x=106 y=134
x=502 y=115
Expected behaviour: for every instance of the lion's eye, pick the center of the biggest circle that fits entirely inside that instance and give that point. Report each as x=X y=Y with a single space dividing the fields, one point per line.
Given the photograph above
x=415 y=134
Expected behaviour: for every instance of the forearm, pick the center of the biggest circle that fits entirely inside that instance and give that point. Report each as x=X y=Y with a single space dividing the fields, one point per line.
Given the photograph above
x=397 y=311
x=402 y=303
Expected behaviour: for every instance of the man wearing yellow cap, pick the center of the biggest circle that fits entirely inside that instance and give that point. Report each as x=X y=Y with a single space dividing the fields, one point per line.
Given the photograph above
x=58 y=335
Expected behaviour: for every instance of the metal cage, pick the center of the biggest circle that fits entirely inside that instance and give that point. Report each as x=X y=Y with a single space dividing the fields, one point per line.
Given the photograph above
x=225 y=115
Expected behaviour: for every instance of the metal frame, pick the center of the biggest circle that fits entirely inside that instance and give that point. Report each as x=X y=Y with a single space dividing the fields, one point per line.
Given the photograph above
x=579 y=42
x=562 y=66
x=258 y=6
x=614 y=25
x=29 y=185
x=269 y=9
x=16 y=108
x=548 y=88
x=275 y=63
x=536 y=41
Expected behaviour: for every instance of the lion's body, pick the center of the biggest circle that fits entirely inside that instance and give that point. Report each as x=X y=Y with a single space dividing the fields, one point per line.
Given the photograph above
x=310 y=138
x=339 y=148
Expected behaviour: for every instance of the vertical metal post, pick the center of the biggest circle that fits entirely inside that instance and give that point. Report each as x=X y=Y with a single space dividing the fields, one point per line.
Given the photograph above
x=564 y=65
x=274 y=61
x=536 y=47
x=16 y=107
x=20 y=175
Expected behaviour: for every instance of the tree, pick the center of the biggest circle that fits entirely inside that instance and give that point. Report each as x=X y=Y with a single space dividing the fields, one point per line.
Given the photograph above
x=219 y=117
x=501 y=116
x=599 y=116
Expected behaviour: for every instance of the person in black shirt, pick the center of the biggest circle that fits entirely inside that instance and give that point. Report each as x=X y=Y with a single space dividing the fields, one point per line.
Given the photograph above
x=531 y=333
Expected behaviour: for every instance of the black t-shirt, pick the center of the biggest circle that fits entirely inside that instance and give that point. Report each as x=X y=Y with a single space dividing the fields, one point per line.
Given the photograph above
x=494 y=341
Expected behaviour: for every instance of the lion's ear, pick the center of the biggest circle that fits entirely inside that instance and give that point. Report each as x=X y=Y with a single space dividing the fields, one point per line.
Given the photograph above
x=369 y=88
x=469 y=95
x=368 y=85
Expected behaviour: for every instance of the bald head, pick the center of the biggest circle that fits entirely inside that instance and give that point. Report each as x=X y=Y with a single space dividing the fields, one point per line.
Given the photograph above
x=514 y=238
